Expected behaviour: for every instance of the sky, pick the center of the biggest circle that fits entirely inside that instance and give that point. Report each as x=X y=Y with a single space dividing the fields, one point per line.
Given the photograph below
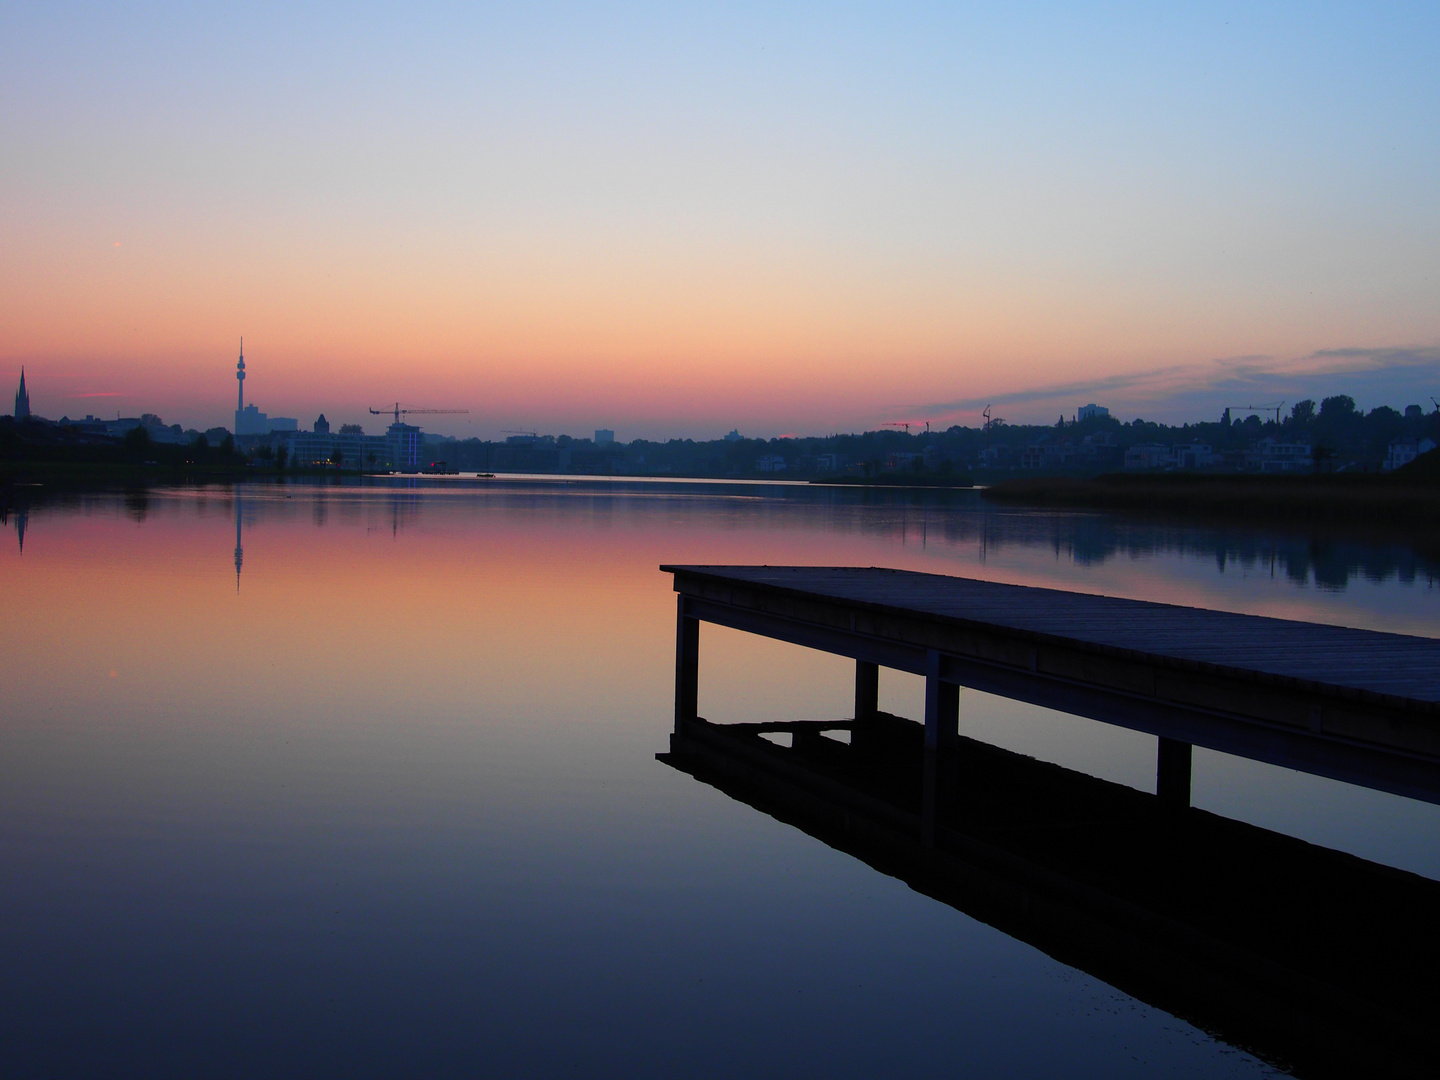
x=674 y=221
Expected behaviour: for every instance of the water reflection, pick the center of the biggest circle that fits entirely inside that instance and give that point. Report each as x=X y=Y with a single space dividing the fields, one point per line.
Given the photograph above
x=956 y=524
x=1306 y=956
x=239 y=538
x=396 y=801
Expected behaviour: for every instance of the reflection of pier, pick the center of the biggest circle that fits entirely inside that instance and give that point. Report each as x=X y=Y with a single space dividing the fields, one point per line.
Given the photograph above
x=1317 y=959
x=1314 y=959
x=1356 y=705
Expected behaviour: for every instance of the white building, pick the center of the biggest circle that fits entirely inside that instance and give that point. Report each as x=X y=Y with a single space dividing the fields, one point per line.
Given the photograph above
x=770 y=463
x=1093 y=411
x=1195 y=455
x=318 y=448
x=1149 y=456
x=1271 y=455
x=1404 y=451
x=604 y=437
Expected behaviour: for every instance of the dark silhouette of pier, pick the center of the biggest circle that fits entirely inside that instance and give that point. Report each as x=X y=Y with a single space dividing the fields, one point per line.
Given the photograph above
x=1356 y=705
x=1316 y=960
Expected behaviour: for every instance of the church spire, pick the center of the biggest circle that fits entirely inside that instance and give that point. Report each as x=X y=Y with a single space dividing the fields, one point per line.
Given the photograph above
x=22 y=399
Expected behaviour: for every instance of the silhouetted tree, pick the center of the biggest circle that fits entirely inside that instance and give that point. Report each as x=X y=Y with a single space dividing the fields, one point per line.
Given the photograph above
x=137 y=440
x=1338 y=408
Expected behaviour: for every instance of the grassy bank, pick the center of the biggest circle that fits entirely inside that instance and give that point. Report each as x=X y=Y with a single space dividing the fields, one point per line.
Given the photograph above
x=1408 y=497
x=103 y=474
x=120 y=472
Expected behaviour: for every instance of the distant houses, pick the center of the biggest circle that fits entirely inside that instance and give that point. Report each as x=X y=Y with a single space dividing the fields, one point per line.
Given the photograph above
x=1267 y=455
x=1270 y=455
x=1404 y=451
x=1149 y=456
x=347 y=448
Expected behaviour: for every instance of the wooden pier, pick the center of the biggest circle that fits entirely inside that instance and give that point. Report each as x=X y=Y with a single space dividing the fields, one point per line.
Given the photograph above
x=1319 y=961
x=1359 y=706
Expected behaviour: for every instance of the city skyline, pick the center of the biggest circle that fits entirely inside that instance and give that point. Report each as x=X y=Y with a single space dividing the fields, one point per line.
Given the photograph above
x=256 y=419
x=675 y=223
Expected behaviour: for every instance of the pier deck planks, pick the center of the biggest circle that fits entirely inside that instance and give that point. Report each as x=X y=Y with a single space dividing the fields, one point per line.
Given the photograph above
x=1394 y=666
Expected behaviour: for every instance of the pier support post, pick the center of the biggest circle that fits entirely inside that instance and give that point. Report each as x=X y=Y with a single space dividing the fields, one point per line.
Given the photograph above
x=942 y=736
x=687 y=666
x=867 y=691
x=1172 y=774
x=942 y=707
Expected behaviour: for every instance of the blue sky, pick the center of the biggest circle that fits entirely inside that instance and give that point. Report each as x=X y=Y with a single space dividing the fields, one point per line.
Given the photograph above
x=670 y=220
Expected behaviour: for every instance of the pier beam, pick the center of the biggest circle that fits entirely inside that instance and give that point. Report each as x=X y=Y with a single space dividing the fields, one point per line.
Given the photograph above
x=687 y=665
x=1172 y=774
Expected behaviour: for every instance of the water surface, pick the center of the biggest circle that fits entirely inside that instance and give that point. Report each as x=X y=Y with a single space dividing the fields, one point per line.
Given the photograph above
x=370 y=788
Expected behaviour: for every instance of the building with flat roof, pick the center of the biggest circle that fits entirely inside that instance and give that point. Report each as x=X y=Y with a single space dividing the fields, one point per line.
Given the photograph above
x=407 y=447
x=347 y=449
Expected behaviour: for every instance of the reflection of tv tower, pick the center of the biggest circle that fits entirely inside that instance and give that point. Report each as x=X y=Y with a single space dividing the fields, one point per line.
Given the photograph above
x=239 y=550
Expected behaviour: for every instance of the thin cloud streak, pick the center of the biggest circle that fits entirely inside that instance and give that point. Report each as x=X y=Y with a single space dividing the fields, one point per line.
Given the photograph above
x=1240 y=380
x=1045 y=393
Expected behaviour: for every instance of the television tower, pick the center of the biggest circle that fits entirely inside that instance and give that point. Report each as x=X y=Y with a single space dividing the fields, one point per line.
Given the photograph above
x=240 y=378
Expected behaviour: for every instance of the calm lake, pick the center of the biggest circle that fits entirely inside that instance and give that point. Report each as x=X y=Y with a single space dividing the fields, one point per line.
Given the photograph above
x=360 y=780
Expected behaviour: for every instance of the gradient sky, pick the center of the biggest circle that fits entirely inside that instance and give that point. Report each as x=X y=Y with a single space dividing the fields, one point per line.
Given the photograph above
x=674 y=222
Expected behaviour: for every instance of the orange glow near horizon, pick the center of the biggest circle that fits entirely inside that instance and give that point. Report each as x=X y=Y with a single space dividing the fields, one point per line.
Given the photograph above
x=680 y=357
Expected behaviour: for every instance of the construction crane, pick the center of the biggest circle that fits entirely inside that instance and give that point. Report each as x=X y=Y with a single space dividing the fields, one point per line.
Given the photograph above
x=406 y=410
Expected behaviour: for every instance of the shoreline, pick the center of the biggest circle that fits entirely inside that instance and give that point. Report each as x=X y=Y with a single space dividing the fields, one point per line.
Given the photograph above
x=1394 y=499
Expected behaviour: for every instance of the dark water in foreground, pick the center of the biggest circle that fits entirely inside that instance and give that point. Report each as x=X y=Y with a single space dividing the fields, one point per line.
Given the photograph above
x=388 y=803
